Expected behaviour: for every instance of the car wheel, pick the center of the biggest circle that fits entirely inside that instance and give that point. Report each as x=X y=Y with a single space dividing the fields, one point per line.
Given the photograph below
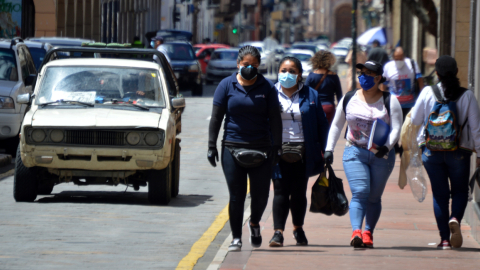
x=176 y=170
x=197 y=90
x=159 y=185
x=10 y=145
x=45 y=188
x=25 y=181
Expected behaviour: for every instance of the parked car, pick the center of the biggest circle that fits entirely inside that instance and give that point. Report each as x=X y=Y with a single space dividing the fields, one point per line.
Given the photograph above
x=204 y=52
x=101 y=122
x=185 y=65
x=17 y=77
x=38 y=51
x=308 y=46
x=340 y=53
x=263 y=54
x=222 y=64
x=62 y=41
x=304 y=56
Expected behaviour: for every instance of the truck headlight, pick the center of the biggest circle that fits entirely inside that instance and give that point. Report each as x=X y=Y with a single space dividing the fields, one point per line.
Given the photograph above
x=193 y=68
x=133 y=138
x=56 y=135
x=151 y=139
x=38 y=135
x=6 y=103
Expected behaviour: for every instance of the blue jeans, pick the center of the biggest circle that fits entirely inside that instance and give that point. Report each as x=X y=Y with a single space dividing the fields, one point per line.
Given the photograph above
x=442 y=166
x=367 y=176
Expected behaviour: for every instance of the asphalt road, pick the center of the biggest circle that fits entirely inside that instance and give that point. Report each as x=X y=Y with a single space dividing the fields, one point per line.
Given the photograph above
x=101 y=227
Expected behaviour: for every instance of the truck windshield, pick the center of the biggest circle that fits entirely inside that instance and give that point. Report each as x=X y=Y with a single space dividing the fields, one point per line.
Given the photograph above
x=8 y=66
x=101 y=86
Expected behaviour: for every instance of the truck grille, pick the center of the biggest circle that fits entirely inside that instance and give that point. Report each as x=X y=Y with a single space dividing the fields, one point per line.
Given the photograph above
x=94 y=137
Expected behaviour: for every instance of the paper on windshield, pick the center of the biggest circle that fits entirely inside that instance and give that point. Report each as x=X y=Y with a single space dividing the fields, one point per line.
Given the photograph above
x=87 y=97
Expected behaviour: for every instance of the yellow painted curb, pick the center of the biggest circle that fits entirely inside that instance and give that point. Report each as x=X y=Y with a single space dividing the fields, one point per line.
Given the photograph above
x=200 y=247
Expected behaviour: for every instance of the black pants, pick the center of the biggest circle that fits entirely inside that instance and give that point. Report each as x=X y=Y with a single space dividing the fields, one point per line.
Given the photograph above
x=399 y=149
x=290 y=193
x=236 y=177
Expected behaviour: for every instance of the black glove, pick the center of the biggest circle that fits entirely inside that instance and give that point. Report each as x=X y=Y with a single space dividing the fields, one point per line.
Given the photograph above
x=328 y=156
x=276 y=153
x=212 y=155
x=382 y=151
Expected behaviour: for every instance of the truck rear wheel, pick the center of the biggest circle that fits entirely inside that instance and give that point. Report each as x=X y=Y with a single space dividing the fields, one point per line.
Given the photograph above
x=25 y=181
x=159 y=185
x=176 y=170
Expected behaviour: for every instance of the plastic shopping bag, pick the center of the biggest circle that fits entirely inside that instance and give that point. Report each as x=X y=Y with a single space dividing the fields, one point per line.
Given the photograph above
x=328 y=195
x=415 y=178
x=320 y=202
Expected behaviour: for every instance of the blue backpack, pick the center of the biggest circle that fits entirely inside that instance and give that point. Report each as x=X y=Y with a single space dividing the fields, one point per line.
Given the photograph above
x=442 y=132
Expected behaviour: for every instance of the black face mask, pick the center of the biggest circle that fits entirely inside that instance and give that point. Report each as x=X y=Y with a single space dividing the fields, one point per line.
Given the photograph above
x=248 y=73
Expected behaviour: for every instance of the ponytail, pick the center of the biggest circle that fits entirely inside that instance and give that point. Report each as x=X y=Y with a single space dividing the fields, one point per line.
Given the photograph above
x=451 y=84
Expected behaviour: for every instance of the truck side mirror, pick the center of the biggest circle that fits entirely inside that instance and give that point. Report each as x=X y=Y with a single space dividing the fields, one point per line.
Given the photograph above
x=24 y=99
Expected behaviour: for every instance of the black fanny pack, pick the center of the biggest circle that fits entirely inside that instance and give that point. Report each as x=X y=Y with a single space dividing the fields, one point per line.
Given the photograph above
x=292 y=152
x=248 y=158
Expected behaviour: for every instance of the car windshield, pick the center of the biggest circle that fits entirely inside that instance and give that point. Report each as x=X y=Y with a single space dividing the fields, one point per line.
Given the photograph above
x=101 y=85
x=232 y=56
x=179 y=52
x=302 y=57
x=37 y=54
x=8 y=66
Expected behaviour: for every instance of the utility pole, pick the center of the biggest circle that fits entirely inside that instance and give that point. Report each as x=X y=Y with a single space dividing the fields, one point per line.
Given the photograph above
x=195 y=21
x=354 y=44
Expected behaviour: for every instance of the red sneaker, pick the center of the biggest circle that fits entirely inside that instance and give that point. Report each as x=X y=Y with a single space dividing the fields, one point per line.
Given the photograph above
x=456 y=238
x=367 y=238
x=445 y=244
x=356 y=239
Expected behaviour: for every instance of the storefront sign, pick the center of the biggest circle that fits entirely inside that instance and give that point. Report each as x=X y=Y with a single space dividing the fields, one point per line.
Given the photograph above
x=10 y=18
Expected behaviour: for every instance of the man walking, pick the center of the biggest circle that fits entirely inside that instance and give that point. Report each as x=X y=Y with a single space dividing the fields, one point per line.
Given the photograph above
x=157 y=44
x=402 y=74
x=378 y=54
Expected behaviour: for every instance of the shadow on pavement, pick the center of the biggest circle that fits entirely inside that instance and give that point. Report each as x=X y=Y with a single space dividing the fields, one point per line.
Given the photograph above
x=286 y=250
x=115 y=197
x=406 y=248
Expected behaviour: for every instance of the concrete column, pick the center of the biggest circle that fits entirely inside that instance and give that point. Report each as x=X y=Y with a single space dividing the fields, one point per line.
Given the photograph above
x=87 y=19
x=78 y=18
x=96 y=20
x=60 y=14
x=69 y=18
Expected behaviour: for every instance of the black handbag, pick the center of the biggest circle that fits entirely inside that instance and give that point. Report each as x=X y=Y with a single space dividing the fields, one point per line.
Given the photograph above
x=248 y=158
x=328 y=196
x=292 y=152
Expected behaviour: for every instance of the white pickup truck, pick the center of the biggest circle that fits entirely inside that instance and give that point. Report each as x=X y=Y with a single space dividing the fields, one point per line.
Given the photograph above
x=101 y=121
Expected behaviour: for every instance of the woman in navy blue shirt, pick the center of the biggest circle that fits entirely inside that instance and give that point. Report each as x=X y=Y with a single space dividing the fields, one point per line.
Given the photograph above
x=304 y=126
x=250 y=105
x=325 y=82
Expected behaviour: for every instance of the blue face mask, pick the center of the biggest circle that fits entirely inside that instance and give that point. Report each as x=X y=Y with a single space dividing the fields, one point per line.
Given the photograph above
x=152 y=43
x=287 y=79
x=366 y=82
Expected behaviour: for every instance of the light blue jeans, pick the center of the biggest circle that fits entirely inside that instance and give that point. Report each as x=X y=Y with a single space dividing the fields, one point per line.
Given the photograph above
x=367 y=176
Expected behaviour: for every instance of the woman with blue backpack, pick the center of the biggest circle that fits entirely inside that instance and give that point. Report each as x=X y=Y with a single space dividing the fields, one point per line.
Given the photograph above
x=451 y=120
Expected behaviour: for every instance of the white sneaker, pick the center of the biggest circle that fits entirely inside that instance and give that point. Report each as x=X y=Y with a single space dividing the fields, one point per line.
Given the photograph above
x=456 y=239
x=235 y=245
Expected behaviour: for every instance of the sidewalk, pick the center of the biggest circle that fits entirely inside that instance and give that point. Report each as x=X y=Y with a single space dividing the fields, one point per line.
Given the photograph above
x=406 y=237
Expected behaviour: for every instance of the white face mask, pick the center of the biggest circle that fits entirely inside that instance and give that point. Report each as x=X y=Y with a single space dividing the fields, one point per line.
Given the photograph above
x=400 y=64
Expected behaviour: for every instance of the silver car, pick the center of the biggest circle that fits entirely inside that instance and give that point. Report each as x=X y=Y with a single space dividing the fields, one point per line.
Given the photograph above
x=222 y=64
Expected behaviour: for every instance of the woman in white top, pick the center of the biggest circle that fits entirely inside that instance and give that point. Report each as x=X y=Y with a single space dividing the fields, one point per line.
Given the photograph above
x=305 y=130
x=454 y=165
x=367 y=173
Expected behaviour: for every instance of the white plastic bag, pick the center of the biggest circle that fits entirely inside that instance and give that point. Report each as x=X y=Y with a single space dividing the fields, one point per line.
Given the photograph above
x=415 y=178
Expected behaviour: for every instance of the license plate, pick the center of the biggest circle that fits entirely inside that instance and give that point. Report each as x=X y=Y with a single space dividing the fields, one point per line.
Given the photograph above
x=177 y=74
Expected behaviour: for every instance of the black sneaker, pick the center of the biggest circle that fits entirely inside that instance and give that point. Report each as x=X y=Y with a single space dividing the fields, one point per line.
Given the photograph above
x=255 y=236
x=299 y=235
x=277 y=239
x=235 y=245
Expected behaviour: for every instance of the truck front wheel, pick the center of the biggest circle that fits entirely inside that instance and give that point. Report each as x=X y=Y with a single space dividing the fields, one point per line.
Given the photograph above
x=159 y=185
x=25 y=181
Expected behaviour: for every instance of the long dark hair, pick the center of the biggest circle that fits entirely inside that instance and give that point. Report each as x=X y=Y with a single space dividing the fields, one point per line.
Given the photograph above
x=246 y=50
x=451 y=84
x=295 y=61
